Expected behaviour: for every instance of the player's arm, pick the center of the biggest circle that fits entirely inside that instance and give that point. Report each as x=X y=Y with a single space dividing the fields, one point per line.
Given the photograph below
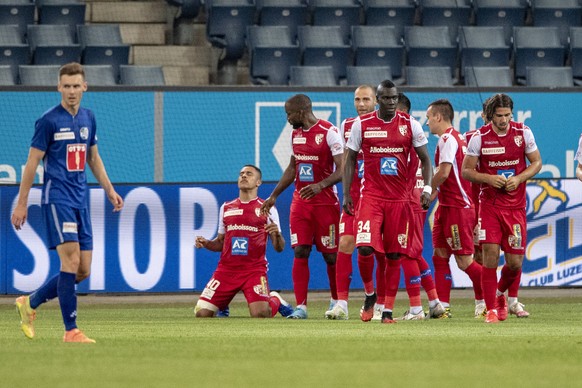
x=312 y=190
x=579 y=171
x=535 y=165
x=21 y=210
x=441 y=175
x=273 y=228
x=212 y=245
x=285 y=181
x=98 y=168
x=349 y=168
x=426 y=169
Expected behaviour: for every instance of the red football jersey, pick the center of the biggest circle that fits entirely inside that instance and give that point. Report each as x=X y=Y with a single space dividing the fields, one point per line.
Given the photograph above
x=475 y=187
x=346 y=130
x=503 y=155
x=314 y=149
x=416 y=182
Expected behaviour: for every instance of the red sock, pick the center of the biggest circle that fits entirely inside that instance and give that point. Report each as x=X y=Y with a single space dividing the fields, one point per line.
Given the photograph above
x=412 y=280
x=300 y=275
x=508 y=276
x=489 y=285
x=343 y=275
x=380 y=277
x=426 y=280
x=514 y=287
x=392 y=282
x=474 y=272
x=366 y=266
x=274 y=303
x=443 y=278
x=332 y=282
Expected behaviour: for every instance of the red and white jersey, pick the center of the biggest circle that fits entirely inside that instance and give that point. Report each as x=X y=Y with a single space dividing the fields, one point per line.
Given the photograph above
x=346 y=130
x=454 y=191
x=503 y=155
x=416 y=182
x=386 y=146
x=314 y=149
x=579 y=152
x=475 y=187
x=245 y=238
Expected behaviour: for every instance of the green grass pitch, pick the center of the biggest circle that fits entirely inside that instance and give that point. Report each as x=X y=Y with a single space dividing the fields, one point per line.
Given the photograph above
x=156 y=342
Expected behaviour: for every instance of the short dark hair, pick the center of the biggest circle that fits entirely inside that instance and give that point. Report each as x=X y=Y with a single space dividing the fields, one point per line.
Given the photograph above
x=72 y=68
x=300 y=102
x=444 y=107
x=404 y=102
x=497 y=101
x=256 y=169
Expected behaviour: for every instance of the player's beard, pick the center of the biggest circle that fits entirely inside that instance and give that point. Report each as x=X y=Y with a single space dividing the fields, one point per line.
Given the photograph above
x=297 y=125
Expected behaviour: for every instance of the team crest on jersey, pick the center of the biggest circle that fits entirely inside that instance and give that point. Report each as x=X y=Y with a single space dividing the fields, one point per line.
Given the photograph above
x=403 y=129
x=84 y=133
x=258 y=211
x=319 y=138
x=518 y=140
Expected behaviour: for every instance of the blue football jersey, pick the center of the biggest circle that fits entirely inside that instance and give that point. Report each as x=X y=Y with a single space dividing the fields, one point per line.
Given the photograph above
x=66 y=141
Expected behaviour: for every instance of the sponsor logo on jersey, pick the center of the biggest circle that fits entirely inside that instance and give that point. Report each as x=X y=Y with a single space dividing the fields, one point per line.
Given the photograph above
x=403 y=129
x=336 y=148
x=299 y=140
x=518 y=140
x=234 y=212
x=64 y=136
x=240 y=245
x=64 y=129
x=347 y=134
x=389 y=166
x=306 y=172
x=504 y=163
x=493 y=151
x=247 y=228
x=360 y=169
x=70 y=227
x=303 y=158
x=318 y=138
x=506 y=173
x=375 y=134
x=76 y=157
x=386 y=150
x=84 y=133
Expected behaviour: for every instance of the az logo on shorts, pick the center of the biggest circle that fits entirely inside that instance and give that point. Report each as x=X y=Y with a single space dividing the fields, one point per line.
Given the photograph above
x=389 y=166
x=240 y=245
x=305 y=172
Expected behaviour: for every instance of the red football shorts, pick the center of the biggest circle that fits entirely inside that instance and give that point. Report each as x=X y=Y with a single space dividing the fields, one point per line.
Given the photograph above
x=417 y=234
x=347 y=225
x=315 y=224
x=453 y=230
x=504 y=227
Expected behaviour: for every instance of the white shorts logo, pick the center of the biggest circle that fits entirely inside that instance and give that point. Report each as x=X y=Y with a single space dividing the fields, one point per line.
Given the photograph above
x=364 y=238
x=342 y=227
x=293 y=238
x=69 y=227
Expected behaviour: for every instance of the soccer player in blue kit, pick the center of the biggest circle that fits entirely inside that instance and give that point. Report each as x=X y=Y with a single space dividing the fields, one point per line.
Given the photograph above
x=65 y=140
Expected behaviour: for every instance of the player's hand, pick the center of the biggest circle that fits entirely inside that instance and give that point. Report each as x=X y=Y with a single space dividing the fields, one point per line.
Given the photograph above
x=512 y=183
x=425 y=200
x=348 y=205
x=19 y=216
x=272 y=229
x=200 y=242
x=267 y=205
x=115 y=200
x=310 y=191
x=497 y=181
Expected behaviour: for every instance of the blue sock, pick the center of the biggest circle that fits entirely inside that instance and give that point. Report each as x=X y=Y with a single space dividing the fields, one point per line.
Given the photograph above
x=45 y=293
x=68 y=299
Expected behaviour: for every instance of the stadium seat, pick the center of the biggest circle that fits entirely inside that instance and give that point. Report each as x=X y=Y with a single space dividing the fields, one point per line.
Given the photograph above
x=576 y=53
x=226 y=25
x=272 y=51
x=369 y=75
x=430 y=46
x=488 y=77
x=562 y=14
x=536 y=46
x=342 y=13
x=7 y=77
x=396 y=13
x=13 y=50
x=504 y=13
x=290 y=13
x=450 y=13
x=429 y=76
x=39 y=75
x=18 y=12
x=100 y=75
x=71 y=14
x=312 y=76
x=52 y=44
x=552 y=77
x=378 y=46
x=187 y=9
x=101 y=44
x=141 y=75
x=324 y=46
x=483 y=46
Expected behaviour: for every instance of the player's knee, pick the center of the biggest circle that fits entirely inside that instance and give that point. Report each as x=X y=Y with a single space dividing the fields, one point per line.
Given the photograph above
x=302 y=251
x=330 y=258
x=204 y=313
x=365 y=251
x=263 y=313
x=393 y=256
x=347 y=245
x=82 y=275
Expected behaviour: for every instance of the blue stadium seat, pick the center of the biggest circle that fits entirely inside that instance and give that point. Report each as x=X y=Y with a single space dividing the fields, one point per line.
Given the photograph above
x=272 y=52
x=396 y=13
x=378 y=46
x=549 y=77
x=141 y=75
x=504 y=13
x=100 y=75
x=536 y=46
x=226 y=25
x=312 y=76
x=368 y=75
x=576 y=53
x=489 y=77
x=290 y=13
x=39 y=75
x=101 y=44
x=430 y=46
x=450 y=13
x=324 y=46
x=7 y=77
x=342 y=13
x=71 y=14
x=187 y=9
x=483 y=46
x=52 y=44
x=18 y=12
x=429 y=76
x=562 y=14
x=13 y=50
